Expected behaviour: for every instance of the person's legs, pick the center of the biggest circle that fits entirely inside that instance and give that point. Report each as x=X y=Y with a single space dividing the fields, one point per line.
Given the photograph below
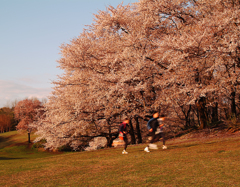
x=152 y=134
x=126 y=142
x=156 y=137
x=125 y=146
x=153 y=137
x=164 y=140
x=162 y=135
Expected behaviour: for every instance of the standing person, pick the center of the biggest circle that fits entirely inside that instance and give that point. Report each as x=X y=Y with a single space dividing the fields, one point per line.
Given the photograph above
x=123 y=130
x=155 y=134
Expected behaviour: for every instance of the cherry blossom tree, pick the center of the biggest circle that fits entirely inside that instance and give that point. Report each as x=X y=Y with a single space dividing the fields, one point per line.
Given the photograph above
x=140 y=58
x=201 y=51
x=27 y=112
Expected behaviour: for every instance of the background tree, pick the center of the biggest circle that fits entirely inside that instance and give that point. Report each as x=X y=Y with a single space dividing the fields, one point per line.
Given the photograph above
x=27 y=111
x=7 y=121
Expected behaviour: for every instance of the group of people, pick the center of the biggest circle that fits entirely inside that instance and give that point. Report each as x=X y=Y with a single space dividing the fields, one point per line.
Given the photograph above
x=155 y=127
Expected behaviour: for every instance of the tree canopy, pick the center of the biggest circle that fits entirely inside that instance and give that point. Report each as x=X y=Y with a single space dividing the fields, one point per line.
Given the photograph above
x=27 y=112
x=135 y=59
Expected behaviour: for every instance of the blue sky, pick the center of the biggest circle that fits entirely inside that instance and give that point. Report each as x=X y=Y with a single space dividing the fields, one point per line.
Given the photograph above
x=31 y=33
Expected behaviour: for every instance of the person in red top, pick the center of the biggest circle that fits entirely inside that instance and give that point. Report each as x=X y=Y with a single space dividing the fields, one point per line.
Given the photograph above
x=123 y=130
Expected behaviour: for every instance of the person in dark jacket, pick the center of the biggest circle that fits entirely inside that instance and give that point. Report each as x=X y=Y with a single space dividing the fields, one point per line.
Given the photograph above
x=123 y=130
x=155 y=127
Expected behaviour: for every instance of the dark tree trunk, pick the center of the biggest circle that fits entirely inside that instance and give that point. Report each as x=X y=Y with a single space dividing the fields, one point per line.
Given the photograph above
x=233 y=104
x=131 y=132
x=202 y=112
x=197 y=114
x=109 y=141
x=139 y=136
x=29 y=141
x=187 y=116
x=226 y=111
x=109 y=137
x=215 y=113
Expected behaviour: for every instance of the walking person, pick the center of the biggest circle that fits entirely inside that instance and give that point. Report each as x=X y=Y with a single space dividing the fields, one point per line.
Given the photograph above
x=155 y=132
x=123 y=130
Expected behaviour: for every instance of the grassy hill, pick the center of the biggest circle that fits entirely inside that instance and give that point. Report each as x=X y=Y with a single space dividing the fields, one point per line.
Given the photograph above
x=186 y=162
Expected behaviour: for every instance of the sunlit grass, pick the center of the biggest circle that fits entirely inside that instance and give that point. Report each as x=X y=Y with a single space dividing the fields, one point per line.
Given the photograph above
x=210 y=163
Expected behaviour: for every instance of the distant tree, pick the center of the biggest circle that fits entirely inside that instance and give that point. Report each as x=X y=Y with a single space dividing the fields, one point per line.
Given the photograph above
x=5 y=123
x=27 y=112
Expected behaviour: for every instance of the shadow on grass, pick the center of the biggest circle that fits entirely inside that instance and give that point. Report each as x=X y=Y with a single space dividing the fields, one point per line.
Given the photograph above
x=7 y=158
x=5 y=141
x=183 y=146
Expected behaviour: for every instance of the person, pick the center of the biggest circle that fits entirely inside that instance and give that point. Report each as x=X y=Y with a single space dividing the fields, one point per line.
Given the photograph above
x=123 y=130
x=154 y=132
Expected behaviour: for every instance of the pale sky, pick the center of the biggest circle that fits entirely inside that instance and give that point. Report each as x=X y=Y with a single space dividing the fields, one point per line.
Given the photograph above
x=31 y=32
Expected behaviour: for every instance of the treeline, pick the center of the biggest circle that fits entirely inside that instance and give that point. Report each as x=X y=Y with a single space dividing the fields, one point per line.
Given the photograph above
x=7 y=120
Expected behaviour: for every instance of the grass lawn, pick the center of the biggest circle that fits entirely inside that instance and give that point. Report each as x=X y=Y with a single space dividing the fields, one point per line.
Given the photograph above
x=215 y=162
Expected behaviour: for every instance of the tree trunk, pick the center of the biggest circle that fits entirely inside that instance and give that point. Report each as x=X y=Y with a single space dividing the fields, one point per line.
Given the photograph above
x=187 y=116
x=215 y=113
x=202 y=112
x=109 y=138
x=29 y=141
x=139 y=136
x=226 y=111
x=233 y=104
x=131 y=132
x=109 y=141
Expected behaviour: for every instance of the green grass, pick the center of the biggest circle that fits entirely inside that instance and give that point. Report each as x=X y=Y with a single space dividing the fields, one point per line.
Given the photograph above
x=196 y=163
x=14 y=146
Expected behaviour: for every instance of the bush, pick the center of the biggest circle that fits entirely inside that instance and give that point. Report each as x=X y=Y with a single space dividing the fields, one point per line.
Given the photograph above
x=39 y=144
x=64 y=148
